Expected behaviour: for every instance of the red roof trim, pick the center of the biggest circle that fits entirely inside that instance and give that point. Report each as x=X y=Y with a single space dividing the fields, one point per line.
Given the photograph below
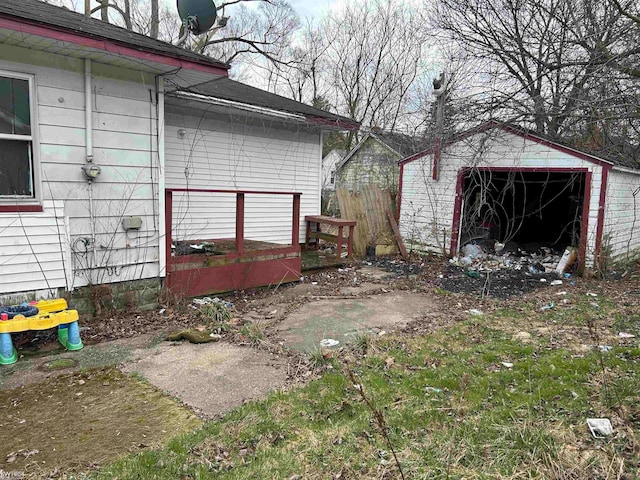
x=110 y=46
x=514 y=131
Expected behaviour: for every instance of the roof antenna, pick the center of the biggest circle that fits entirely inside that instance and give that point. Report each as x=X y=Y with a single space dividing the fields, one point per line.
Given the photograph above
x=198 y=16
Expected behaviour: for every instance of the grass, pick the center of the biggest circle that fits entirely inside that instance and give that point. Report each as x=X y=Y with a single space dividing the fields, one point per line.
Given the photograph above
x=452 y=410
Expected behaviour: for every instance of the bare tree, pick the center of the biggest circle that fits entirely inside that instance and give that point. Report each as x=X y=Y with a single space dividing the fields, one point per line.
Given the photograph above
x=262 y=31
x=552 y=64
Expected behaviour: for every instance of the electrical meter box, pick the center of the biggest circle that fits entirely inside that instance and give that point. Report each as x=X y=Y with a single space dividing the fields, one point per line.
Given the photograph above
x=131 y=223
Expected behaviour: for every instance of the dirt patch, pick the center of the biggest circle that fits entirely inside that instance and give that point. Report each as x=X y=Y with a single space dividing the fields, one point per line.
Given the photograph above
x=343 y=319
x=80 y=421
x=53 y=360
x=212 y=378
x=503 y=283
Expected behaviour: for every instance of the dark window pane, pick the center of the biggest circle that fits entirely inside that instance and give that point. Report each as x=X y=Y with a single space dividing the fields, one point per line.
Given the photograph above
x=6 y=107
x=22 y=113
x=15 y=115
x=16 y=174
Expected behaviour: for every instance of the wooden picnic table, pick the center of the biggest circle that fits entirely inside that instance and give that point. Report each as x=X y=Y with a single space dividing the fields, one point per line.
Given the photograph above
x=339 y=239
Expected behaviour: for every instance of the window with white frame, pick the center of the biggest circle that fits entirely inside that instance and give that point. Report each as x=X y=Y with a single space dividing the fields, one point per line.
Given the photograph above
x=17 y=176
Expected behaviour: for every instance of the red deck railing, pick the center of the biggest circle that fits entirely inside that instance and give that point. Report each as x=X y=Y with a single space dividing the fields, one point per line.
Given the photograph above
x=240 y=197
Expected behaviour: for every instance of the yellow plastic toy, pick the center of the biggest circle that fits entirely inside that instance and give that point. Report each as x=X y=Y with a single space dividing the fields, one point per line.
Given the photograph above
x=50 y=313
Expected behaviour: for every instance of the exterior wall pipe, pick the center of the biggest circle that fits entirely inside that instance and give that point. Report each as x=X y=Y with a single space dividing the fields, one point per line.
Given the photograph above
x=88 y=118
x=88 y=134
x=162 y=231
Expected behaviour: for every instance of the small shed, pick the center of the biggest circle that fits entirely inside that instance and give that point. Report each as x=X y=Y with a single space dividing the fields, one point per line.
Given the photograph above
x=502 y=183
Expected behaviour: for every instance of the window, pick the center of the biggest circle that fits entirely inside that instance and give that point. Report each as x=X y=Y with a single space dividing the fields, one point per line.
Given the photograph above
x=333 y=177
x=17 y=177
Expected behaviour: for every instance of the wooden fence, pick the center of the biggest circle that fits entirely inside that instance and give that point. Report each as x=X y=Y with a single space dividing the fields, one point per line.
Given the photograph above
x=369 y=208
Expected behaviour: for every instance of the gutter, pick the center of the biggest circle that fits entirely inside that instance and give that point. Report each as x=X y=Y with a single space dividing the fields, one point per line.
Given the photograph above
x=240 y=106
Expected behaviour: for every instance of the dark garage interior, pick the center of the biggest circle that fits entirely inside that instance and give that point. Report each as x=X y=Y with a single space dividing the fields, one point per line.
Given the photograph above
x=523 y=209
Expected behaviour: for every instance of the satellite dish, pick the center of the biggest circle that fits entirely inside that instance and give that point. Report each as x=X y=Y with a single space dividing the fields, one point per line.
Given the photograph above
x=198 y=16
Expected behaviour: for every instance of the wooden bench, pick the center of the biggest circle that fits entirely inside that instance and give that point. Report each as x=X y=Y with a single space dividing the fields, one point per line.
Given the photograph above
x=339 y=239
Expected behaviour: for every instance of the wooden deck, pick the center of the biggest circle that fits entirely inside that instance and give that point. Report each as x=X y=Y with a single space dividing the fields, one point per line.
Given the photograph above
x=233 y=263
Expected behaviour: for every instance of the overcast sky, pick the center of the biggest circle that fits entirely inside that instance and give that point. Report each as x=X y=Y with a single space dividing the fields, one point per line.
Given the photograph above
x=311 y=8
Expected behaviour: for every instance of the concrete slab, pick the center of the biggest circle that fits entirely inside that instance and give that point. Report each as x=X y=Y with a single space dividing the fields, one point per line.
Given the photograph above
x=212 y=378
x=345 y=318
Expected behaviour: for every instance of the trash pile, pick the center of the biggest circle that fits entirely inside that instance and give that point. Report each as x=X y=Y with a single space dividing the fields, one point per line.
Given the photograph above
x=188 y=248
x=504 y=272
x=544 y=260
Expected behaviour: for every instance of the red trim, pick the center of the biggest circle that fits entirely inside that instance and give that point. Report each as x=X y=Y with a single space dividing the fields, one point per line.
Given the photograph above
x=399 y=196
x=240 y=223
x=457 y=212
x=295 y=224
x=20 y=208
x=110 y=46
x=457 y=208
x=514 y=131
x=214 y=190
x=601 y=204
x=168 y=209
x=529 y=169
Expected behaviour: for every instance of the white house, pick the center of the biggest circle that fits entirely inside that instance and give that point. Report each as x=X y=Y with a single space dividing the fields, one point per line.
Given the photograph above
x=503 y=183
x=98 y=125
x=329 y=163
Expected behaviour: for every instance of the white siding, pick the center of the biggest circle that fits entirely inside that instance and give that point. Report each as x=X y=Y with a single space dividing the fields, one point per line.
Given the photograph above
x=32 y=253
x=428 y=206
x=622 y=214
x=125 y=146
x=228 y=152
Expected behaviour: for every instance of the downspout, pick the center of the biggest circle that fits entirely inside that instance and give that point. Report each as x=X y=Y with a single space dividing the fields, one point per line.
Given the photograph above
x=162 y=231
x=88 y=111
x=88 y=132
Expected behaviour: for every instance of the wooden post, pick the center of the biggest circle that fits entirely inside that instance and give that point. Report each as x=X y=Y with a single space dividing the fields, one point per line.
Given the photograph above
x=240 y=222
x=339 y=248
x=87 y=8
x=350 y=243
x=307 y=232
x=396 y=232
x=168 y=207
x=295 y=228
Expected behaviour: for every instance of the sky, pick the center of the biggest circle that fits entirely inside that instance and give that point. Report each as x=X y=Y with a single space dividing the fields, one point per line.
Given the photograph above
x=312 y=8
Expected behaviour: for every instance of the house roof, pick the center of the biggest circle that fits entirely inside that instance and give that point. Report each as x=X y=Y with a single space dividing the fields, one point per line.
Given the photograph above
x=399 y=143
x=608 y=159
x=227 y=89
x=403 y=144
x=57 y=18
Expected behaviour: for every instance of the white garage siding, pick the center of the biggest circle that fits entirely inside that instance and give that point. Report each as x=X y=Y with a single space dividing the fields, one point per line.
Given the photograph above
x=622 y=214
x=427 y=206
x=234 y=152
x=125 y=147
